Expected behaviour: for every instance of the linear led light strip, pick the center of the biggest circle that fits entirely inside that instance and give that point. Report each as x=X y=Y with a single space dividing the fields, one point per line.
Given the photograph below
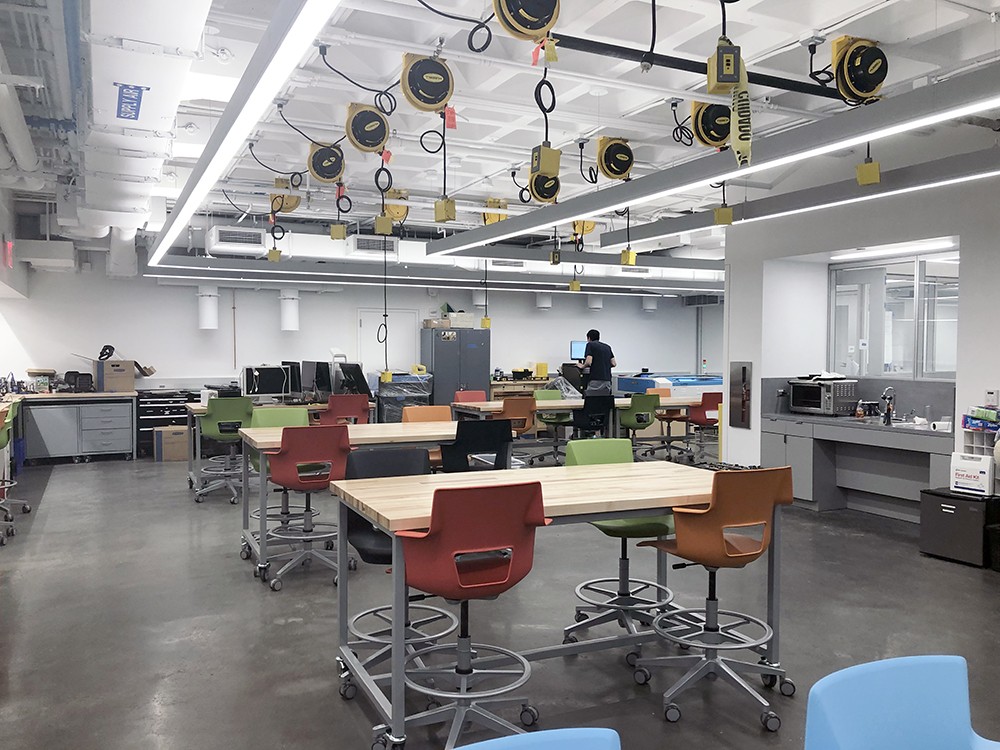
x=917 y=249
x=288 y=37
x=917 y=109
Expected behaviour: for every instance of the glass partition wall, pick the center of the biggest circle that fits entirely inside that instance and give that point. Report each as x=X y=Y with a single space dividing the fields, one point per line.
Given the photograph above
x=895 y=318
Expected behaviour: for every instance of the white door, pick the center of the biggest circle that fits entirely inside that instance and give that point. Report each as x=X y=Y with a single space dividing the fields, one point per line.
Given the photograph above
x=403 y=340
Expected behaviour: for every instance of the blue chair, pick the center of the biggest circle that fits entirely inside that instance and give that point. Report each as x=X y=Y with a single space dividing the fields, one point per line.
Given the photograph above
x=915 y=702
x=556 y=739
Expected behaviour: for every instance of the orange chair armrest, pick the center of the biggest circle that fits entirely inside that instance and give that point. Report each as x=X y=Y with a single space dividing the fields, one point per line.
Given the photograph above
x=694 y=510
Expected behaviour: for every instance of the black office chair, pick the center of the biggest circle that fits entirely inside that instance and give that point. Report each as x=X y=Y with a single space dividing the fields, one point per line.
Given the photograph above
x=491 y=437
x=594 y=417
x=374 y=547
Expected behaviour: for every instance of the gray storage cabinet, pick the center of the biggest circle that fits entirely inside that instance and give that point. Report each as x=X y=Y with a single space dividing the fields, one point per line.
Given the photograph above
x=459 y=359
x=953 y=526
x=77 y=429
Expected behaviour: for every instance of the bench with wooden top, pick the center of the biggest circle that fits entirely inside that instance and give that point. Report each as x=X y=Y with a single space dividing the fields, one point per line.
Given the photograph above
x=396 y=433
x=485 y=408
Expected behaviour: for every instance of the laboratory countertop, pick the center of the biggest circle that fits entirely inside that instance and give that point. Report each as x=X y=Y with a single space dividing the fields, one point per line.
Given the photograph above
x=867 y=423
x=70 y=396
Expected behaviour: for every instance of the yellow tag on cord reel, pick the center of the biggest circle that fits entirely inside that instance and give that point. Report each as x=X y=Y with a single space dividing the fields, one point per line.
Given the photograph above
x=498 y=212
x=326 y=163
x=530 y=20
x=614 y=158
x=711 y=124
x=367 y=128
x=427 y=82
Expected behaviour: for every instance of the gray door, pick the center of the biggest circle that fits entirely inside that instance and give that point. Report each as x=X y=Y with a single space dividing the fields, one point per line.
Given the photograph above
x=447 y=368
x=474 y=374
x=52 y=431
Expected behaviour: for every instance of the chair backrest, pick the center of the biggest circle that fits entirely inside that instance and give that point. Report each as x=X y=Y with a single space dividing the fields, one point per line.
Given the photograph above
x=310 y=457
x=280 y=416
x=555 y=739
x=12 y=411
x=478 y=436
x=548 y=394
x=224 y=417
x=342 y=408
x=699 y=414
x=601 y=451
x=593 y=417
x=641 y=411
x=520 y=410
x=735 y=529
x=914 y=702
x=6 y=427
x=465 y=397
x=427 y=414
x=480 y=542
x=661 y=392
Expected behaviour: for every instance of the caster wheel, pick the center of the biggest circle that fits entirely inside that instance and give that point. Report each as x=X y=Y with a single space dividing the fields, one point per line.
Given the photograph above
x=190 y=483
x=570 y=639
x=581 y=616
x=275 y=584
x=26 y=508
x=10 y=531
x=787 y=688
x=711 y=677
x=684 y=647
x=336 y=580
x=529 y=716
x=770 y=721
x=432 y=704
x=632 y=658
x=234 y=500
x=768 y=680
x=352 y=564
x=261 y=573
x=199 y=499
x=672 y=713
x=8 y=517
x=641 y=676
x=348 y=691
x=3 y=541
x=380 y=744
x=244 y=553
x=531 y=462
x=328 y=546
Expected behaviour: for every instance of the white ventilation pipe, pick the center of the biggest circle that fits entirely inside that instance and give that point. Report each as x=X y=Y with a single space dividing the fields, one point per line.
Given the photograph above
x=649 y=304
x=543 y=300
x=13 y=125
x=208 y=308
x=595 y=302
x=6 y=160
x=122 y=260
x=479 y=297
x=30 y=184
x=289 y=301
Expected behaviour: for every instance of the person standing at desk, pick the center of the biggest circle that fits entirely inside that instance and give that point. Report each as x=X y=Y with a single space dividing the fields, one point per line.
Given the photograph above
x=597 y=366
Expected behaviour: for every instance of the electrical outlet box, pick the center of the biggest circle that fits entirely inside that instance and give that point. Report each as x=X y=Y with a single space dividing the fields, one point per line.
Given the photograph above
x=485 y=323
x=724 y=69
x=338 y=231
x=383 y=226
x=575 y=286
x=555 y=257
x=869 y=173
x=444 y=210
x=781 y=393
x=545 y=160
x=274 y=255
x=724 y=216
x=629 y=257
x=992 y=399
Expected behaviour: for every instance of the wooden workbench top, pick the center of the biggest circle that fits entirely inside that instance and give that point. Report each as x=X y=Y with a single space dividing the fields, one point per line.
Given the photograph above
x=492 y=407
x=76 y=396
x=404 y=503
x=199 y=411
x=269 y=438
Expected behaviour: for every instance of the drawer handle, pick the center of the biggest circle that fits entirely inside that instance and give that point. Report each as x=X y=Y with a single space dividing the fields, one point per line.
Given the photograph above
x=945 y=506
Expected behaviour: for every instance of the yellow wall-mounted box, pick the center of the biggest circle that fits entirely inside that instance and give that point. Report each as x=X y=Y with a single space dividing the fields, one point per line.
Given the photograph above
x=383 y=225
x=545 y=160
x=444 y=210
x=869 y=173
x=274 y=255
x=575 y=286
x=629 y=257
x=485 y=323
x=385 y=377
x=724 y=216
x=338 y=231
x=541 y=369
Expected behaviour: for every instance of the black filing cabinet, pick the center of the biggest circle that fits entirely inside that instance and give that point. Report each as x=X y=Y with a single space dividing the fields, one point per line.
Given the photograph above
x=953 y=526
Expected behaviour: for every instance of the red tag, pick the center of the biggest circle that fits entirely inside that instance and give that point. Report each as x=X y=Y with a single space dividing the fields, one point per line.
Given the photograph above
x=386 y=156
x=270 y=218
x=8 y=253
x=341 y=190
x=450 y=119
x=534 y=55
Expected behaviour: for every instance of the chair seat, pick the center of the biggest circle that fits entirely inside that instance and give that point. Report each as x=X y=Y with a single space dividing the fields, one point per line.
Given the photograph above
x=672 y=416
x=735 y=545
x=637 y=528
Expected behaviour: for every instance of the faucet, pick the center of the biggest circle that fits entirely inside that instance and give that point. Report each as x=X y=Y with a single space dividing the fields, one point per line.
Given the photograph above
x=889 y=396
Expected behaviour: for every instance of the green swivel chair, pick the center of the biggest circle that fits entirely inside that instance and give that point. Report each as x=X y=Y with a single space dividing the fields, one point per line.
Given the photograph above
x=553 y=421
x=6 y=485
x=629 y=602
x=640 y=414
x=222 y=421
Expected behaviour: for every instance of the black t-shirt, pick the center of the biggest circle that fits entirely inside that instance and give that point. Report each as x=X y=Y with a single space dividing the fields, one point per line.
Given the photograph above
x=600 y=365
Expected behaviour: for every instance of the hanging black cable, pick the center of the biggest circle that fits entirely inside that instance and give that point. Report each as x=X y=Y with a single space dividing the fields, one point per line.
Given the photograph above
x=652 y=40
x=244 y=211
x=524 y=194
x=824 y=76
x=281 y=114
x=440 y=148
x=384 y=99
x=723 y=4
x=294 y=178
x=486 y=290
x=590 y=175
x=543 y=86
x=682 y=133
x=477 y=26
x=383 y=183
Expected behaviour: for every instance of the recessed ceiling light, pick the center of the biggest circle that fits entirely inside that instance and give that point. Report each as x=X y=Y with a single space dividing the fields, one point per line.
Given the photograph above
x=598 y=91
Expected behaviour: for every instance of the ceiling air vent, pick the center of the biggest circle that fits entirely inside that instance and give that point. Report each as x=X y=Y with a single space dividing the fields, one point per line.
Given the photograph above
x=370 y=246
x=703 y=300
x=236 y=241
x=637 y=271
x=507 y=263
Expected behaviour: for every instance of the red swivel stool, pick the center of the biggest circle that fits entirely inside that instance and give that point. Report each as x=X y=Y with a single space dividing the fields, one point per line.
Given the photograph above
x=344 y=409
x=480 y=544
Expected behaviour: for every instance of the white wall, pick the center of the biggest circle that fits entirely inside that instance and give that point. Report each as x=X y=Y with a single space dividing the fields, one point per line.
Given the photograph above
x=794 y=305
x=156 y=325
x=13 y=281
x=968 y=211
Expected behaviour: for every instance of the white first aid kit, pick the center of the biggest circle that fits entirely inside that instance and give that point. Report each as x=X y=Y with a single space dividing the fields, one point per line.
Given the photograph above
x=972 y=475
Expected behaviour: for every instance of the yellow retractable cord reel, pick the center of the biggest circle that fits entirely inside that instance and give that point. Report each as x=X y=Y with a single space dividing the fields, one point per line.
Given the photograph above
x=543 y=181
x=859 y=68
x=428 y=86
x=529 y=20
x=283 y=201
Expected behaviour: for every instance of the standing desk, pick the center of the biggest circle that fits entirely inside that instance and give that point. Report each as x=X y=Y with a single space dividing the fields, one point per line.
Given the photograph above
x=264 y=439
x=571 y=494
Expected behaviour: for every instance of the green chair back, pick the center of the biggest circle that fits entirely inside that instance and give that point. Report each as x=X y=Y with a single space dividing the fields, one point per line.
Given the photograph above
x=641 y=412
x=276 y=416
x=5 y=430
x=226 y=412
x=12 y=412
x=554 y=417
x=598 y=451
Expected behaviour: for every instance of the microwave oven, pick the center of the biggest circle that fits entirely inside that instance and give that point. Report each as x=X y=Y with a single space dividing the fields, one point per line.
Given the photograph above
x=828 y=397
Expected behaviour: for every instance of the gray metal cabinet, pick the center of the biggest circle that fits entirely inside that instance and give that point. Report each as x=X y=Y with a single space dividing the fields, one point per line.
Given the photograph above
x=79 y=428
x=799 y=455
x=52 y=431
x=772 y=450
x=459 y=359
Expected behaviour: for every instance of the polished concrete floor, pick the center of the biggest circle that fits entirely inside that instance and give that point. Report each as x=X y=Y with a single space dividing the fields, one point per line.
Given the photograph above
x=128 y=620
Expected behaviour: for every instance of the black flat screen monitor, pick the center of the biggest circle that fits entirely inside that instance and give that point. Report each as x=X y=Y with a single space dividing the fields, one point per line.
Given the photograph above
x=354 y=380
x=266 y=381
x=294 y=376
x=577 y=349
x=316 y=378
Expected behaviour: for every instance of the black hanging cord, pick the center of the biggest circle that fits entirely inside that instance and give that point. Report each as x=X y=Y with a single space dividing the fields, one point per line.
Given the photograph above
x=524 y=194
x=281 y=114
x=486 y=290
x=868 y=153
x=824 y=76
x=294 y=178
x=440 y=148
x=545 y=86
x=385 y=102
x=652 y=41
x=723 y=4
x=477 y=26
x=590 y=175
x=344 y=202
x=242 y=211
x=682 y=133
x=383 y=183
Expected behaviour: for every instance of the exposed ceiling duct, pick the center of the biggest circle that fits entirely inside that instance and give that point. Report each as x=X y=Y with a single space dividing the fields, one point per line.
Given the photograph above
x=19 y=148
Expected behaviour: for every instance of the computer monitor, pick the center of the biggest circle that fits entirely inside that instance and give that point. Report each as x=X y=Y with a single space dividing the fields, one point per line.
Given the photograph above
x=577 y=349
x=316 y=378
x=354 y=380
x=294 y=376
x=266 y=380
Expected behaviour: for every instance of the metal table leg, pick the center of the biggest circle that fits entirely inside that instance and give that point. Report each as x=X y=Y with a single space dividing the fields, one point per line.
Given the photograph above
x=245 y=493
x=192 y=477
x=397 y=722
x=198 y=481
x=342 y=600
x=774 y=587
x=262 y=563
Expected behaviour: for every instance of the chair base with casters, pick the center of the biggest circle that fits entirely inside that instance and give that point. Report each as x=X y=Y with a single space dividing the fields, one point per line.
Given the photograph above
x=715 y=632
x=307 y=533
x=7 y=523
x=472 y=686
x=227 y=476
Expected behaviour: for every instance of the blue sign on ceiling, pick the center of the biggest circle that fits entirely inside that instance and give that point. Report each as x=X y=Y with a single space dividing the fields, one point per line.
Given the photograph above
x=129 y=100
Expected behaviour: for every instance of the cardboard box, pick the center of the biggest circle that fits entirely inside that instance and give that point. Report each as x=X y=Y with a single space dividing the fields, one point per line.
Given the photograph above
x=170 y=444
x=462 y=320
x=437 y=323
x=114 y=376
x=972 y=475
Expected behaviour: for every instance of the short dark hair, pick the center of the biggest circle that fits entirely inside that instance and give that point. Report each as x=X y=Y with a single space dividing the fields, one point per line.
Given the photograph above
x=593 y=335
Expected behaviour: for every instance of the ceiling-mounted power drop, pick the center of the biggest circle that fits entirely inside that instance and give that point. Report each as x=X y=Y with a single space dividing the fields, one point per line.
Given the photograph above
x=496 y=211
x=427 y=82
x=527 y=19
x=544 y=182
x=367 y=129
x=711 y=124
x=397 y=211
x=326 y=163
x=615 y=158
x=860 y=68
